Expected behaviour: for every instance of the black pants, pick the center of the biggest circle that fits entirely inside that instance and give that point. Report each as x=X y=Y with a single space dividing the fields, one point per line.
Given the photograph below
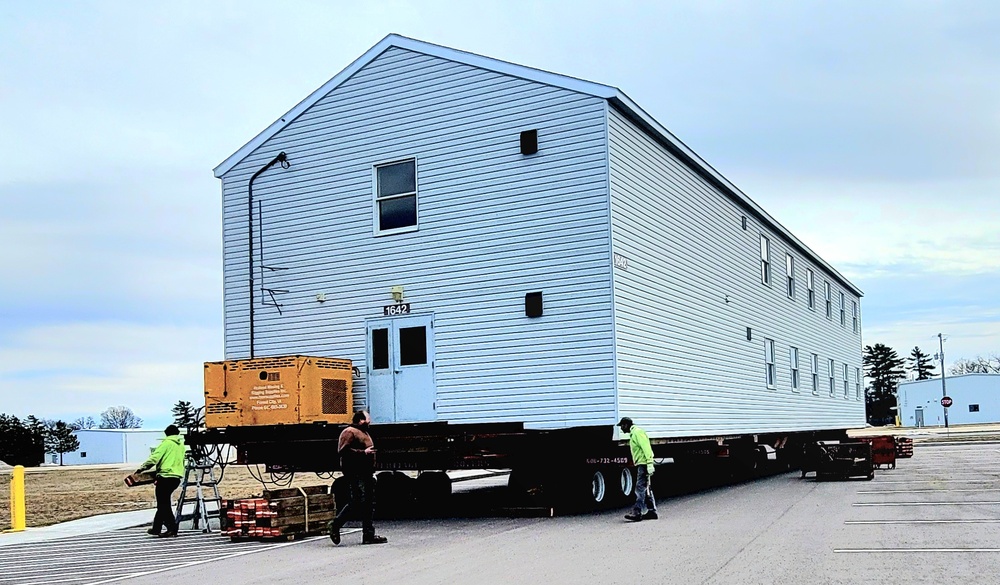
x=361 y=505
x=165 y=487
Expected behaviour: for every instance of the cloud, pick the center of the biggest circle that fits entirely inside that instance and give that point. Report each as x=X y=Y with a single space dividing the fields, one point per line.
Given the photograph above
x=78 y=369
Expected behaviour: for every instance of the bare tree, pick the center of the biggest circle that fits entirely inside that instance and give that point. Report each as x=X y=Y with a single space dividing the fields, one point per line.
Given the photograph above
x=120 y=417
x=978 y=365
x=84 y=422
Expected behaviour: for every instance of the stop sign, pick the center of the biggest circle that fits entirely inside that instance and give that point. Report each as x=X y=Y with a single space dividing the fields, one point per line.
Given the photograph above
x=946 y=401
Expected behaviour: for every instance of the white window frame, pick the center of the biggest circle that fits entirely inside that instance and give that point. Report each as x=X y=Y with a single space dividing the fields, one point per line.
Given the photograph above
x=814 y=367
x=843 y=310
x=770 y=372
x=376 y=199
x=857 y=383
x=828 y=292
x=831 y=367
x=793 y=367
x=790 y=275
x=765 y=260
x=846 y=392
x=811 y=288
x=854 y=319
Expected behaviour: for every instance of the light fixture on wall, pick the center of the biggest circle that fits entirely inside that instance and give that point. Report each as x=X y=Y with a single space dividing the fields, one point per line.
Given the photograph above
x=397 y=293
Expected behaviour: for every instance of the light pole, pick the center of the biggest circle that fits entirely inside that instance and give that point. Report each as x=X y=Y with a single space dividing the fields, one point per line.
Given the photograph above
x=944 y=391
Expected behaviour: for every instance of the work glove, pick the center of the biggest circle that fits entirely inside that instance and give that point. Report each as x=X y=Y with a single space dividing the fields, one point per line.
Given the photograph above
x=650 y=468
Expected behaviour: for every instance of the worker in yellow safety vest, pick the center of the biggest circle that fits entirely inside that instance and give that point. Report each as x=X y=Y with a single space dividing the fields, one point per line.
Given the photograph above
x=642 y=458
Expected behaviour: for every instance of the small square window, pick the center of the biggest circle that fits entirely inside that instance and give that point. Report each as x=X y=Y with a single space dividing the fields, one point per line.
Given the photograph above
x=973 y=408
x=83 y=453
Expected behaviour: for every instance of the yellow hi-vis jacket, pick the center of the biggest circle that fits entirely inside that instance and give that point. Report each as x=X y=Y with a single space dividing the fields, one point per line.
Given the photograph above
x=168 y=457
x=642 y=451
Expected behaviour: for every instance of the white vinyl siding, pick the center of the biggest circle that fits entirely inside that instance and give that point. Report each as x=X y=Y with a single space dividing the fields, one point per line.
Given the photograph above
x=691 y=289
x=493 y=226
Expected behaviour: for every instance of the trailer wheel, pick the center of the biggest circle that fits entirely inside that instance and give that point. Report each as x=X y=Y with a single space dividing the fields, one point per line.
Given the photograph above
x=626 y=483
x=598 y=487
x=433 y=489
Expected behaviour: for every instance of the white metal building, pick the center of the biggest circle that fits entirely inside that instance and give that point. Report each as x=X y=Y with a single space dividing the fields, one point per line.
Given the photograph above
x=111 y=446
x=975 y=399
x=493 y=243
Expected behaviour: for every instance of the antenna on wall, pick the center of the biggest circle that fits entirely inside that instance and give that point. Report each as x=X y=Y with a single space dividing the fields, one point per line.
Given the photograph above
x=269 y=300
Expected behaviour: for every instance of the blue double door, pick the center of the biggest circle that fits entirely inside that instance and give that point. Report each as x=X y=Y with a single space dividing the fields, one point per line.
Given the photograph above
x=401 y=369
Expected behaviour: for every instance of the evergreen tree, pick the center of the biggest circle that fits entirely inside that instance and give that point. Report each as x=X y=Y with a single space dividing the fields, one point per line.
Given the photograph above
x=920 y=364
x=884 y=368
x=61 y=439
x=184 y=415
x=19 y=443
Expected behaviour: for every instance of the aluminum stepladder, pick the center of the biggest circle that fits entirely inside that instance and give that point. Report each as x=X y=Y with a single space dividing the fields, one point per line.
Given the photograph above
x=206 y=503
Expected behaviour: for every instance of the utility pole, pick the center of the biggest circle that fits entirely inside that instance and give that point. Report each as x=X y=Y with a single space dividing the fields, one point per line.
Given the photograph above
x=944 y=391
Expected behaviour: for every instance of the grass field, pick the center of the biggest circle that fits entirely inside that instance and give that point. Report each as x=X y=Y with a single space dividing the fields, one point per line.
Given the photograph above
x=58 y=494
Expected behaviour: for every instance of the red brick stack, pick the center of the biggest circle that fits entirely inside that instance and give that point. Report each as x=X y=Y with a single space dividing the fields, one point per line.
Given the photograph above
x=284 y=513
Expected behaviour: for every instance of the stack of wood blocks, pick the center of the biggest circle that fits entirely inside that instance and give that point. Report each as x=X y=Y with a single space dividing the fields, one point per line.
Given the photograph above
x=284 y=513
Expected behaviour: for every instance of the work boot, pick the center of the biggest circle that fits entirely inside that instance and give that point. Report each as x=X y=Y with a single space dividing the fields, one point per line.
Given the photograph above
x=633 y=517
x=334 y=533
x=374 y=539
x=152 y=532
x=651 y=515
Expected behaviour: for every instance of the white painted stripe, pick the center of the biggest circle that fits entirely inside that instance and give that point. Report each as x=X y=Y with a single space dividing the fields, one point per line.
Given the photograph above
x=915 y=550
x=990 y=481
x=926 y=504
x=925 y=491
x=200 y=562
x=970 y=521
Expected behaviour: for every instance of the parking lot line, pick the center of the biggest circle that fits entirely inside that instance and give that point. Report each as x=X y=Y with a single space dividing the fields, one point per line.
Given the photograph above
x=916 y=550
x=969 y=521
x=928 y=491
x=926 y=504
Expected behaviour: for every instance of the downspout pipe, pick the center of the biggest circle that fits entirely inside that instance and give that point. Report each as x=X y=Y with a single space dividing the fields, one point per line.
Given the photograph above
x=283 y=159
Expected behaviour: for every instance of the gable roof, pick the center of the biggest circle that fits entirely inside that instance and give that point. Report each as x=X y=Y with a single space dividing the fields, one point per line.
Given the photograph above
x=615 y=97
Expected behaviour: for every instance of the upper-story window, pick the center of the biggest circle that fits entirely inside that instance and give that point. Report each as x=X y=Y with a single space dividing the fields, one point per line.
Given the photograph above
x=831 y=373
x=828 y=295
x=843 y=310
x=811 y=289
x=790 y=275
x=765 y=260
x=854 y=312
x=396 y=196
x=857 y=383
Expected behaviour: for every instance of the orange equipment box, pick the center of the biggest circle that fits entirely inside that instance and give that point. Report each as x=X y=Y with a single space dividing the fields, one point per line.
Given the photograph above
x=278 y=390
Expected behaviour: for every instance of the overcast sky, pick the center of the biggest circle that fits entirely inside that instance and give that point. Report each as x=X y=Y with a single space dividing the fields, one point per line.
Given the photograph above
x=870 y=130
